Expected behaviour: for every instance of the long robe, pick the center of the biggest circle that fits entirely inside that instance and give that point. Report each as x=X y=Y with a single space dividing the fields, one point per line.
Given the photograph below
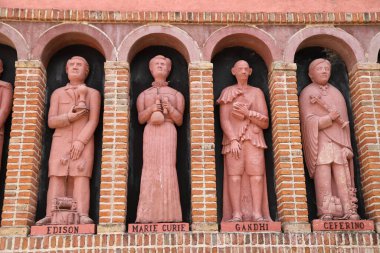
x=159 y=199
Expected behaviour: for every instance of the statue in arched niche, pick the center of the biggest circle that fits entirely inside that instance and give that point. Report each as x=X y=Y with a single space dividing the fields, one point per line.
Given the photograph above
x=327 y=145
x=243 y=116
x=160 y=108
x=6 y=94
x=74 y=114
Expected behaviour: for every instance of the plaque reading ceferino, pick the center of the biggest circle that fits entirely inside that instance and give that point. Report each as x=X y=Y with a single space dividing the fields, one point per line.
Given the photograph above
x=343 y=225
x=254 y=226
x=63 y=229
x=158 y=227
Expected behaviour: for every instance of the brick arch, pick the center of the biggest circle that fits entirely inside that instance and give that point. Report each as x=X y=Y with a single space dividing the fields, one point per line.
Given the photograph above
x=247 y=36
x=13 y=38
x=374 y=48
x=62 y=35
x=333 y=38
x=158 y=35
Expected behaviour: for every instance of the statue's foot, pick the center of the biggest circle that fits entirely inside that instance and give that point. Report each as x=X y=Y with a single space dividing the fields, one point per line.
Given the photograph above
x=236 y=219
x=260 y=219
x=84 y=219
x=350 y=216
x=326 y=216
x=44 y=221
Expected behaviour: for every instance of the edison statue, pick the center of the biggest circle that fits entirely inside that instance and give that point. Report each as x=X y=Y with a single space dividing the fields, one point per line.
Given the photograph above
x=74 y=114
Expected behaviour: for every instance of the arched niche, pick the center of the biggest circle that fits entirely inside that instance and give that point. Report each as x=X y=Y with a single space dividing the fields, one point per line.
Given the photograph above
x=339 y=79
x=242 y=36
x=222 y=77
x=9 y=56
x=141 y=80
x=56 y=78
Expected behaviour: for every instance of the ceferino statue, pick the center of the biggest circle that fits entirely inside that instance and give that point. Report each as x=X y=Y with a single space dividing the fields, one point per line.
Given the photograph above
x=160 y=108
x=327 y=145
x=6 y=94
x=74 y=114
x=243 y=116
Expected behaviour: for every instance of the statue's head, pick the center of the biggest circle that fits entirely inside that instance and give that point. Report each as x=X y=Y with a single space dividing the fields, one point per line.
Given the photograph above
x=241 y=71
x=160 y=67
x=77 y=68
x=320 y=71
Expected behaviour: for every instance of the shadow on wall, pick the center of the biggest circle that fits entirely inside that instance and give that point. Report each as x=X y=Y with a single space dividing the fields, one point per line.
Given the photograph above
x=141 y=80
x=56 y=78
x=339 y=79
x=9 y=56
x=223 y=77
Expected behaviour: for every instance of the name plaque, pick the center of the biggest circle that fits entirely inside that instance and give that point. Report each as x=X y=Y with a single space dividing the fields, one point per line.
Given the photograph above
x=343 y=225
x=255 y=226
x=158 y=227
x=63 y=229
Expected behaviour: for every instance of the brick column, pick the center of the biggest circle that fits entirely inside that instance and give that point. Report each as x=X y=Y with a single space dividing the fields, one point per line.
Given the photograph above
x=365 y=98
x=203 y=176
x=114 y=173
x=287 y=148
x=25 y=148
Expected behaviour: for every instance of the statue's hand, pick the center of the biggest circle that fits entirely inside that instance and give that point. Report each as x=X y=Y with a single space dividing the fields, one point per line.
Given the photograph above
x=74 y=116
x=334 y=114
x=241 y=108
x=156 y=107
x=166 y=105
x=76 y=150
x=235 y=149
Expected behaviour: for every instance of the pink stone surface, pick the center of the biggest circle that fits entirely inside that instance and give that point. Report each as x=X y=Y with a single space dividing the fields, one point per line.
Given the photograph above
x=158 y=227
x=327 y=145
x=243 y=116
x=211 y=5
x=255 y=226
x=343 y=225
x=63 y=229
x=161 y=108
x=72 y=149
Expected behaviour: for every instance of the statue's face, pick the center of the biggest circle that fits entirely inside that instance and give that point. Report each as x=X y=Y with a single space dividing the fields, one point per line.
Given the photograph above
x=320 y=74
x=76 y=70
x=159 y=68
x=241 y=71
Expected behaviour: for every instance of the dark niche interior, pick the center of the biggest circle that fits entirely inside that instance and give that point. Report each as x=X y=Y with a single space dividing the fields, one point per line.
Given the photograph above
x=339 y=79
x=222 y=76
x=141 y=80
x=9 y=56
x=56 y=78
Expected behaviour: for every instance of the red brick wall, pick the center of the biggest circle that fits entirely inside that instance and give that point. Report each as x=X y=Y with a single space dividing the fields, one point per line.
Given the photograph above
x=33 y=31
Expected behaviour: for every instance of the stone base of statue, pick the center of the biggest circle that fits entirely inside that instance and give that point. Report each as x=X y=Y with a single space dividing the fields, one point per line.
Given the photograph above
x=343 y=225
x=250 y=226
x=65 y=219
x=63 y=229
x=158 y=227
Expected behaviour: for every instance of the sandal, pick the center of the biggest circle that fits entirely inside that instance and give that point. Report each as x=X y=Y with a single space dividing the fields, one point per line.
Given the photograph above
x=326 y=216
x=235 y=219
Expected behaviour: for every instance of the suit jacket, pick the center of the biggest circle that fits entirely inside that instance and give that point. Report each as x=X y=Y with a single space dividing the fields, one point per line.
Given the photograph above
x=66 y=132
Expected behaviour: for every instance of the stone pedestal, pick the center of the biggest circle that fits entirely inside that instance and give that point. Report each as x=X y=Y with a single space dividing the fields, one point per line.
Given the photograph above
x=254 y=226
x=63 y=229
x=343 y=225
x=158 y=227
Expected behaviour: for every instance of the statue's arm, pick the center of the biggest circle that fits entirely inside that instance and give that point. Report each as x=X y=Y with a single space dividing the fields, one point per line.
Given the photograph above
x=259 y=117
x=55 y=120
x=225 y=122
x=6 y=104
x=143 y=113
x=176 y=112
x=93 y=120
